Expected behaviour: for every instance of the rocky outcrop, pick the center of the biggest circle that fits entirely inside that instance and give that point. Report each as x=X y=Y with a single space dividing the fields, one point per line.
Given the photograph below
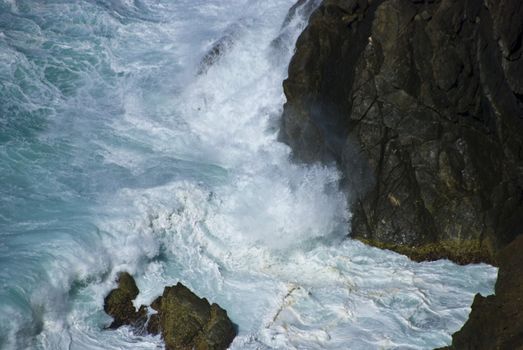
x=184 y=320
x=189 y=322
x=419 y=102
x=496 y=321
x=119 y=304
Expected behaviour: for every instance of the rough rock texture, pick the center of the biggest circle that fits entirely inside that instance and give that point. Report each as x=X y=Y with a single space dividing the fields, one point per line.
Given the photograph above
x=185 y=321
x=189 y=322
x=496 y=322
x=119 y=303
x=420 y=104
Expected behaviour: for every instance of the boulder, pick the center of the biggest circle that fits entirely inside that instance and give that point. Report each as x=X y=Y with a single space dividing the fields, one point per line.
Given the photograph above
x=189 y=322
x=184 y=320
x=119 y=303
x=419 y=103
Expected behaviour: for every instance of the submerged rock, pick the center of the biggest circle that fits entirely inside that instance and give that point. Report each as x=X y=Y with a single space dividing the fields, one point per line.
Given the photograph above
x=222 y=46
x=419 y=103
x=496 y=321
x=184 y=320
x=216 y=51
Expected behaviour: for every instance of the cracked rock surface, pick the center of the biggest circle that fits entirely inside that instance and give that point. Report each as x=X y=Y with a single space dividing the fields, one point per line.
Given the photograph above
x=420 y=104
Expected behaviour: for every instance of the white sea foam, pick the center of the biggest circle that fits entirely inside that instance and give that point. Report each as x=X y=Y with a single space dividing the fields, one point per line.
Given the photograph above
x=179 y=177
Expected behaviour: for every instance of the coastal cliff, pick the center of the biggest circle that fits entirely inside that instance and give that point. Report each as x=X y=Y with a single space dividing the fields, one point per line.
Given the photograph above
x=420 y=104
x=496 y=321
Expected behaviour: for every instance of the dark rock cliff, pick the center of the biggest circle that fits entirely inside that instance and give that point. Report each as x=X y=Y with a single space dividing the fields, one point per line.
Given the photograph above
x=496 y=321
x=420 y=103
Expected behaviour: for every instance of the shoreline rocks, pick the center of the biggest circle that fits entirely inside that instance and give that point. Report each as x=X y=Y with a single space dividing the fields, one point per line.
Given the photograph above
x=419 y=105
x=496 y=321
x=187 y=321
x=184 y=320
x=119 y=304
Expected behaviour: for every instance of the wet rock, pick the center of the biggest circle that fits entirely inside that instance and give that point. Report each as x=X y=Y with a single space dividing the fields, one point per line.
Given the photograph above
x=496 y=321
x=419 y=104
x=119 y=303
x=189 y=322
x=296 y=16
x=222 y=46
x=217 y=50
x=305 y=7
x=184 y=320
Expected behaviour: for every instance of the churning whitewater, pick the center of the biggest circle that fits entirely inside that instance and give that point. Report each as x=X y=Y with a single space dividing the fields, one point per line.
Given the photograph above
x=142 y=136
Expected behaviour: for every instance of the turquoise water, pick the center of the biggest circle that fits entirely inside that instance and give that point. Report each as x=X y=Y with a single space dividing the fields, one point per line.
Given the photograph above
x=120 y=151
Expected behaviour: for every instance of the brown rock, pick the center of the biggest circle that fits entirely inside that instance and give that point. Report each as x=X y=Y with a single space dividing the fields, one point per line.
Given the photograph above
x=184 y=320
x=119 y=303
x=496 y=321
x=189 y=322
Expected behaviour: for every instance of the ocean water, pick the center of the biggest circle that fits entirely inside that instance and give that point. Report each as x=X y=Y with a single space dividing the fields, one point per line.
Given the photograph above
x=127 y=143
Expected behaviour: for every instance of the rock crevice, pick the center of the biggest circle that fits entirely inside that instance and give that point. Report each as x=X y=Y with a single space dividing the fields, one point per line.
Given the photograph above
x=417 y=102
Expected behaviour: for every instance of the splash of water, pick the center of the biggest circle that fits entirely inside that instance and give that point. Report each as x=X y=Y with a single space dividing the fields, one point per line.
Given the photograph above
x=118 y=152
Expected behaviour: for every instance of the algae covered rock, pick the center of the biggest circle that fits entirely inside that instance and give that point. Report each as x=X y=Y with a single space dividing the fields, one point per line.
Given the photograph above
x=184 y=320
x=189 y=322
x=119 y=303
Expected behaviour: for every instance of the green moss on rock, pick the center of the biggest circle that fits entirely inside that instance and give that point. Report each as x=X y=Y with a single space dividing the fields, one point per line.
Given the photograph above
x=184 y=320
x=119 y=303
x=187 y=321
x=460 y=251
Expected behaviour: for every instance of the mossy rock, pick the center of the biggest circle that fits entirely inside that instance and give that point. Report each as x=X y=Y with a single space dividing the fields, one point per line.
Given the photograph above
x=459 y=251
x=184 y=320
x=119 y=303
x=189 y=322
x=127 y=284
x=217 y=331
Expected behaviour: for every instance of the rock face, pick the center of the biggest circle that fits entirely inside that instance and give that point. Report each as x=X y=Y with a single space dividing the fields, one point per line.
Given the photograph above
x=420 y=103
x=184 y=320
x=496 y=322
